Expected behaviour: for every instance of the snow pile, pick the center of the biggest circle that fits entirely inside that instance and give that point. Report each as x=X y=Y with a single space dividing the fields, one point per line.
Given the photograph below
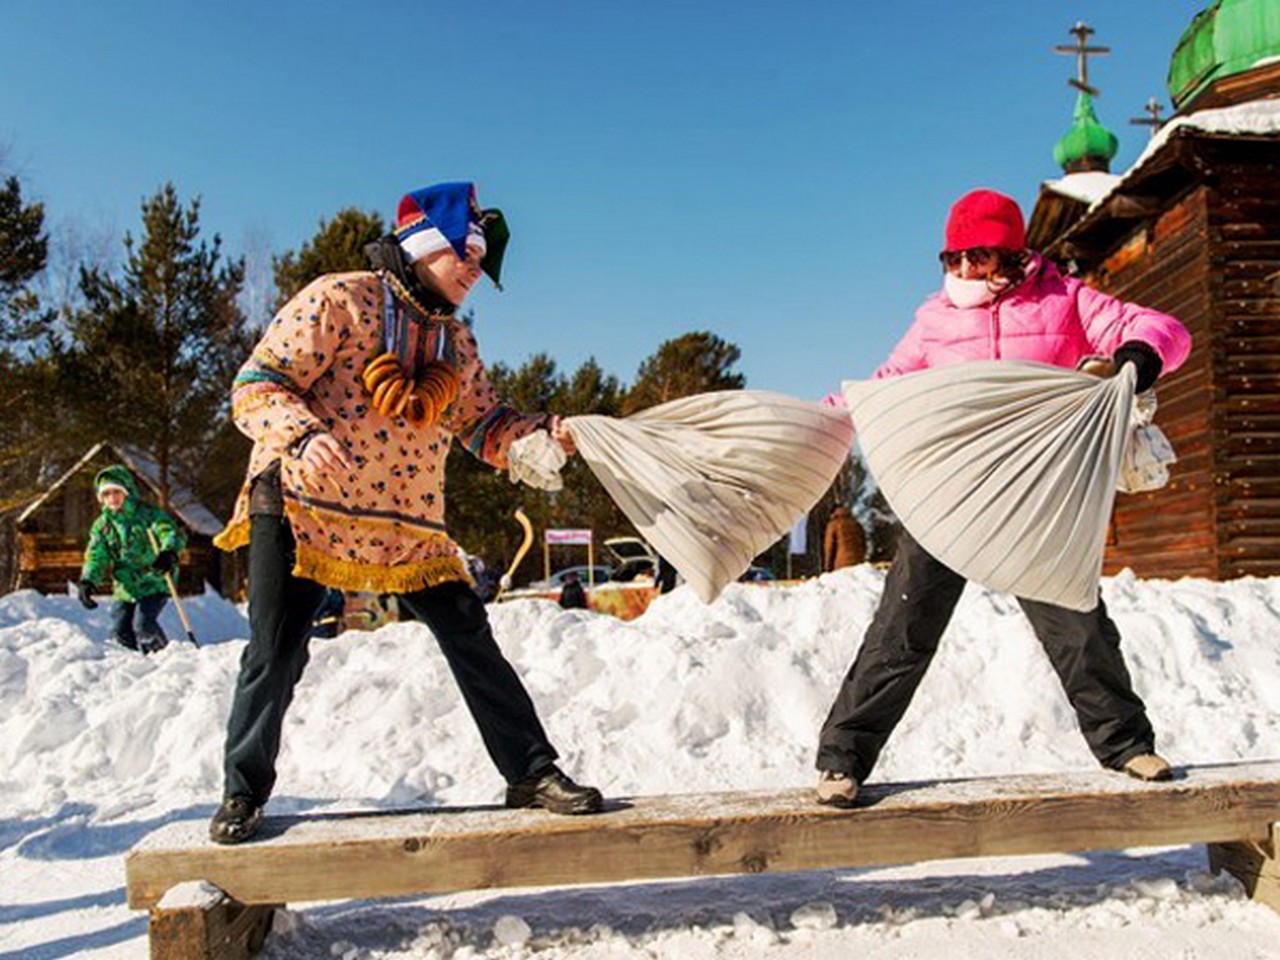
x=99 y=745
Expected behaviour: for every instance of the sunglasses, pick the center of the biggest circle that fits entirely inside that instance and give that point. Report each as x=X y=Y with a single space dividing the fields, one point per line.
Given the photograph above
x=976 y=256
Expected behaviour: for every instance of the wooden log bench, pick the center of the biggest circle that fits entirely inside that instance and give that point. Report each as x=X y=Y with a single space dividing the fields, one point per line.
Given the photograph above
x=210 y=901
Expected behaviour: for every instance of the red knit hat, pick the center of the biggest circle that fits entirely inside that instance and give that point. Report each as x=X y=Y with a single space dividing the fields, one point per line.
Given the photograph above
x=984 y=218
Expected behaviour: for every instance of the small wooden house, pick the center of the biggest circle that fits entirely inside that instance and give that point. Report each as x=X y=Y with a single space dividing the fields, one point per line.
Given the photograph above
x=1193 y=229
x=52 y=532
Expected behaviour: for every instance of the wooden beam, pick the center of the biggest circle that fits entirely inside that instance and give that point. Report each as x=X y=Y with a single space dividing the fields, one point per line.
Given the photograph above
x=1255 y=864
x=197 y=921
x=338 y=856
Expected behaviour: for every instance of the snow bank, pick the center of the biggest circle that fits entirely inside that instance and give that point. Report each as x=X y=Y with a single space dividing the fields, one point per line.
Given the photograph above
x=98 y=745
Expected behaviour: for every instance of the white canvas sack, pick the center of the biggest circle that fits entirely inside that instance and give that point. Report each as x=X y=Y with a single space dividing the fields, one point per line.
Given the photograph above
x=1005 y=471
x=712 y=480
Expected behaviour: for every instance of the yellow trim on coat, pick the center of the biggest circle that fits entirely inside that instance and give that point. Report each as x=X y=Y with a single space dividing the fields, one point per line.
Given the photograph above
x=377 y=578
x=233 y=537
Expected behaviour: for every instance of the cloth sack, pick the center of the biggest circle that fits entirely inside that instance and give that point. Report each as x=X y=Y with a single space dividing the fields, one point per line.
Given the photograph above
x=712 y=480
x=1004 y=470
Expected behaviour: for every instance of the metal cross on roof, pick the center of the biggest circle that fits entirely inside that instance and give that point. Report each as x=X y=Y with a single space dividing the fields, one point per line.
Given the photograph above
x=1081 y=51
x=1153 y=118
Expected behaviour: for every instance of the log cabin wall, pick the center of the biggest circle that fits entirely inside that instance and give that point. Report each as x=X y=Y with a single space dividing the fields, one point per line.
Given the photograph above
x=1244 y=231
x=1211 y=257
x=1165 y=265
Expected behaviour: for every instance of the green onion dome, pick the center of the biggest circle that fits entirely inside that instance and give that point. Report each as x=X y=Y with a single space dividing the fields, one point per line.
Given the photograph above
x=1226 y=38
x=1088 y=145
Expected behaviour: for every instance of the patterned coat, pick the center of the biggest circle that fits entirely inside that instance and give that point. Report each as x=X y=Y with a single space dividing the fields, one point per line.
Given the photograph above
x=381 y=526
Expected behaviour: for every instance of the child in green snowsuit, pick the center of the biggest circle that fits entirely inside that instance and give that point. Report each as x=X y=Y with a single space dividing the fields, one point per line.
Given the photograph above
x=136 y=544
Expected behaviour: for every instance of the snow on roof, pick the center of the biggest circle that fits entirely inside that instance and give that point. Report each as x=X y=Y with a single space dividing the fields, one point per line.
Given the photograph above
x=182 y=501
x=1255 y=118
x=1085 y=187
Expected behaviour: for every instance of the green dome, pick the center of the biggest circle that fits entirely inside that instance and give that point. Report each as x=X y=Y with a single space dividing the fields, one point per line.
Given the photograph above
x=1227 y=37
x=1088 y=145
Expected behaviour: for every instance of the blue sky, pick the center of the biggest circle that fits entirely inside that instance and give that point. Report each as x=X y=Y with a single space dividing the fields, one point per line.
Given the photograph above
x=775 y=173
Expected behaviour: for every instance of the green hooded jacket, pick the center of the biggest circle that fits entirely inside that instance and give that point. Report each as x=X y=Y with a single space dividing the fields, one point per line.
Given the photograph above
x=119 y=546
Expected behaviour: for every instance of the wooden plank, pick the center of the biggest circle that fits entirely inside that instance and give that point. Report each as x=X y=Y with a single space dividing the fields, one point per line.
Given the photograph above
x=337 y=856
x=1248 y=568
x=197 y=921
x=1254 y=864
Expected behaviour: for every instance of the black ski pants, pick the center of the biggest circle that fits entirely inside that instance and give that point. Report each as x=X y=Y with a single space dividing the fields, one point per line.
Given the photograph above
x=919 y=596
x=148 y=611
x=281 y=611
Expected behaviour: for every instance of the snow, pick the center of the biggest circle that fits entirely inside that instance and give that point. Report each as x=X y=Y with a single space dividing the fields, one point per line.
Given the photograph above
x=1086 y=186
x=99 y=746
x=1256 y=118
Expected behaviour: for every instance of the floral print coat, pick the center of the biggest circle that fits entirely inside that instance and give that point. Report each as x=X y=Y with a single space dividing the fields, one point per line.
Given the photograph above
x=381 y=526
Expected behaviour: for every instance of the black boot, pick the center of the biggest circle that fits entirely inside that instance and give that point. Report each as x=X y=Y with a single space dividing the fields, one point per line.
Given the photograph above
x=237 y=820
x=151 y=642
x=554 y=791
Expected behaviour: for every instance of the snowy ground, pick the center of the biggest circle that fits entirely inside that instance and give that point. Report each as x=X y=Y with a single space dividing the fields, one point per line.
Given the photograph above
x=98 y=746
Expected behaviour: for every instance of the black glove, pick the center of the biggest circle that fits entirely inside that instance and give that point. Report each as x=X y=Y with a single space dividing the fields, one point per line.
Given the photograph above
x=166 y=561
x=1144 y=359
x=85 y=591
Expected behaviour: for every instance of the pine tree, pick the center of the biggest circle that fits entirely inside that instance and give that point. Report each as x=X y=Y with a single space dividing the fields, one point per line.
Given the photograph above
x=154 y=350
x=689 y=364
x=337 y=247
x=24 y=250
x=26 y=377
x=28 y=448
x=482 y=501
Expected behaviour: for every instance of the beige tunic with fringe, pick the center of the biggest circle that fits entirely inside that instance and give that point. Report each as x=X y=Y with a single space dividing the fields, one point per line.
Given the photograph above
x=381 y=526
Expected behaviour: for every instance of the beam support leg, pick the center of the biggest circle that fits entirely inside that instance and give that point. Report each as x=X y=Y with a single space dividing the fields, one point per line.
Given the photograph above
x=197 y=921
x=1254 y=863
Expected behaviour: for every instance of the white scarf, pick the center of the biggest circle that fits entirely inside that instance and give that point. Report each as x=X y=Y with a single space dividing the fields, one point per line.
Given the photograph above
x=967 y=293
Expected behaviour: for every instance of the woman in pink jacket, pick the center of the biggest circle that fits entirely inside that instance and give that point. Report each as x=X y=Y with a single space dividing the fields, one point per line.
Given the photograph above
x=1000 y=301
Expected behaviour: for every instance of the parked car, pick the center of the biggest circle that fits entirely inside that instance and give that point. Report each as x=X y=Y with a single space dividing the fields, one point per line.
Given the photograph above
x=586 y=576
x=633 y=558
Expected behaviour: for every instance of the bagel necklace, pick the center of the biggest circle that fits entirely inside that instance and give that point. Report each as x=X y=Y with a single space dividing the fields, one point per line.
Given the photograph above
x=395 y=392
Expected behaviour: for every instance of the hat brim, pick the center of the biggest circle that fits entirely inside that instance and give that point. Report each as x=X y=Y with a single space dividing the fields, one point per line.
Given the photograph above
x=496 y=236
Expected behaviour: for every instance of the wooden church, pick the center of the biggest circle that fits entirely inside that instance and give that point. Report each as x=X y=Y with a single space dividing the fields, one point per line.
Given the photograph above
x=1192 y=228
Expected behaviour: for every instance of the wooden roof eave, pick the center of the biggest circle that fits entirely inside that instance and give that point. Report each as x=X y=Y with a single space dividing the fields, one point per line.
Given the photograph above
x=36 y=504
x=1052 y=216
x=1186 y=160
x=1143 y=195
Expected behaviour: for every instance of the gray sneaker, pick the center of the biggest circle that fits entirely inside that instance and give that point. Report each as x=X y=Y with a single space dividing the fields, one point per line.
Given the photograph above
x=837 y=789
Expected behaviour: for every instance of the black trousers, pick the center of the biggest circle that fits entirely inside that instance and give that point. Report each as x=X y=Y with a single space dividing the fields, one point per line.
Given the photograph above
x=919 y=596
x=148 y=609
x=281 y=610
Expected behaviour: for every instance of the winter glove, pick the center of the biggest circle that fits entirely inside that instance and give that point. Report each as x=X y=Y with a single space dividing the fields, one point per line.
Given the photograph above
x=85 y=592
x=1144 y=359
x=166 y=562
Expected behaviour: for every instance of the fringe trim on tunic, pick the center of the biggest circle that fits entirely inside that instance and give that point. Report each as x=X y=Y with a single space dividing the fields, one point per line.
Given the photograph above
x=233 y=537
x=376 y=578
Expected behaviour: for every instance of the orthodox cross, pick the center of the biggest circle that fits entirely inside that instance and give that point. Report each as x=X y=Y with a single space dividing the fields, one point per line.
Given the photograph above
x=1081 y=51
x=1153 y=118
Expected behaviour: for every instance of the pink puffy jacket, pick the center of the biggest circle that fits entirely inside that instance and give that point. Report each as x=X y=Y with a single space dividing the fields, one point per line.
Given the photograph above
x=1047 y=318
